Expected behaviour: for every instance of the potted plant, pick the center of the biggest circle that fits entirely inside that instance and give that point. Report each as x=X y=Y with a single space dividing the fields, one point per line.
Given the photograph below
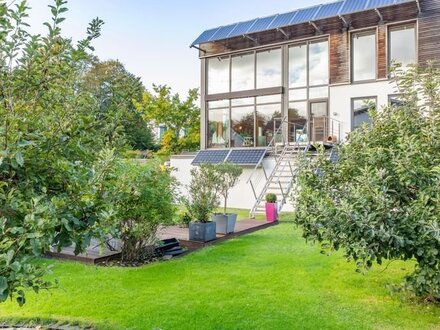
x=271 y=208
x=228 y=175
x=202 y=200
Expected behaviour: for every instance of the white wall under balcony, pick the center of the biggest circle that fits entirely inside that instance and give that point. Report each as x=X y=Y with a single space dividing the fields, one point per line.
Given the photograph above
x=241 y=196
x=341 y=96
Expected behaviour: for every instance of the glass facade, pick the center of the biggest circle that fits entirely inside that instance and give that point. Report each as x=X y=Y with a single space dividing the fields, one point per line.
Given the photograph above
x=218 y=75
x=243 y=72
x=269 y=68
x=363 y=55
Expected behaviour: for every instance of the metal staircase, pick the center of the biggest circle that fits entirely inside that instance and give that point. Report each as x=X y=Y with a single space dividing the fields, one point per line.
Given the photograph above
x=281 y=179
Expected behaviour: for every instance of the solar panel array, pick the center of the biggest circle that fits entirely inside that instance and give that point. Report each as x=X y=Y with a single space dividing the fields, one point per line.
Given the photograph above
x=333 y=9
x=234 y=156
x=210 y=157
x=246 y=156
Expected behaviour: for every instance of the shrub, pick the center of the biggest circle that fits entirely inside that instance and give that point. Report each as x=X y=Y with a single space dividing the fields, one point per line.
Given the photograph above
x=143 y=195
x=229 y=174
x=271 y=198
x=202 y=197
x=381 y=200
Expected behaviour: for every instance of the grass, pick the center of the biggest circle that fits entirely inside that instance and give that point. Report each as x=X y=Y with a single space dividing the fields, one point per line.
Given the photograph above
x=270 y=279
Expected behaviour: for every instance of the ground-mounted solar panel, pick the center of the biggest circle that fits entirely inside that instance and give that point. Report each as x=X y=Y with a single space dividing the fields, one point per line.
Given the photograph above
x=224 y=31
x=262 y=24
x=246 y=156
x=305 y=15
x=242 y=28
x=282 y=20
x=210 y=157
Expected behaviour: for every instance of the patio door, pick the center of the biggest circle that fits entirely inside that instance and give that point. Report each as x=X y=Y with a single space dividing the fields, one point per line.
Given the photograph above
x=318 y=114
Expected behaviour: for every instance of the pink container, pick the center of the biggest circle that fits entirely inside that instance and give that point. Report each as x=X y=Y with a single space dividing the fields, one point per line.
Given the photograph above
x=271 y=212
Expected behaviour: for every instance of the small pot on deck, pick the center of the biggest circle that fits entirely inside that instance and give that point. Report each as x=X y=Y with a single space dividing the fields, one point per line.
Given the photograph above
x=225 y=223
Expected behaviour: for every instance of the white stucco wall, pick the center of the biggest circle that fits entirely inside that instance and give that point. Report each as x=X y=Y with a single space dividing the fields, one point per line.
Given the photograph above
x=241 y=196
x=341 y=96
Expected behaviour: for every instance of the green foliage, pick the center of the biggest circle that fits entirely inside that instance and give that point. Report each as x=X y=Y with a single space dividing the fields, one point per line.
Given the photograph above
x=184 y=219
x=162 y=107
x=381 y=200
x=143 y=195
x=271 y=198
x=117 y=89
x=203 y=193
x=56 y=149
x=229 y=174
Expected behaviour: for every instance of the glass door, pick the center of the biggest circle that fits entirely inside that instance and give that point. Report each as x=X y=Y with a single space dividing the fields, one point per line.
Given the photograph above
x=318 y=114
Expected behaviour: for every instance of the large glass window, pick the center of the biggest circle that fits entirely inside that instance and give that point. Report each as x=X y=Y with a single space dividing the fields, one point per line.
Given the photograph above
x=361 y=108
x=269 y=68
x=218 y=126
x=218 y=75
x=243 y=72
x=364 y=56
x=402 y=45
x=268 y=117
x=318 y=63
x=243 y=123
x=298 y=120
x=298 y=66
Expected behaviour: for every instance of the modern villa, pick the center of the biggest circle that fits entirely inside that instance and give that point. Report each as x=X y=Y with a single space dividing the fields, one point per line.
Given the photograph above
x=273 y=86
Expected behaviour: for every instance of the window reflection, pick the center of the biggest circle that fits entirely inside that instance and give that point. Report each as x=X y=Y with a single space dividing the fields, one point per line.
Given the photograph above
x=318 y=63
x=298 y=120
x=243 y=73
x=266 y=123
x=403 y=45
x=218 y=128
x=242 y=122
x=218 y=75
x=361 y=109
x=269 y=68
x=364 y=56
x=298 y=66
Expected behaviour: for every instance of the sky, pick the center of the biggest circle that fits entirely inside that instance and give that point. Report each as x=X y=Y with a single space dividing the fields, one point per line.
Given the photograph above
x=152 y=37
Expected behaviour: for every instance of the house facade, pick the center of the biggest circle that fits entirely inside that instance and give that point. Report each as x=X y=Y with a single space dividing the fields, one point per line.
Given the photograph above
x=304 y=77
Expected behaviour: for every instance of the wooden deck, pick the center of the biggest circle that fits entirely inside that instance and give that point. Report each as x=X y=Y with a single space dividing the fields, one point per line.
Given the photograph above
x=96 y=254
x=242 y=227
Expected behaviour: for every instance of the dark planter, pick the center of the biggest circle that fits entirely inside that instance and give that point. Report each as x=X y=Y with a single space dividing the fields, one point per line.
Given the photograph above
x=225 y=222
x=202 y=232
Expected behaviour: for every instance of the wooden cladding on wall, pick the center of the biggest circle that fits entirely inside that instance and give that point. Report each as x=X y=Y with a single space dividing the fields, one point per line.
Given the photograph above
x=382 y=59
x=429 y=32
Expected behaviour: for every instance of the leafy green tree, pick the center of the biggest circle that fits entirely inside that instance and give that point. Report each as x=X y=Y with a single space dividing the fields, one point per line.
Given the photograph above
x=162 y=107
x=116 y=88
x=381 y=200
x=56 y=148
x=143 y=195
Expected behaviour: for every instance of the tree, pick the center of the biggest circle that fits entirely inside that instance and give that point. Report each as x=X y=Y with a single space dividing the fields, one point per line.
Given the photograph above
x=143 y=195
x=162 y=107
x=116 y=89
x=229 y=175
x=381 y=200
x=57 y=149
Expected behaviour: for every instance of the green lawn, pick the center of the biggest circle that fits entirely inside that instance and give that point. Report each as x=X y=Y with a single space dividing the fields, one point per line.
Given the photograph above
x=269 y=279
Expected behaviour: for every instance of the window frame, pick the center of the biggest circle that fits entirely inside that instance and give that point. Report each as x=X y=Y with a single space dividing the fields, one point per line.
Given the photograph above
x=364 y=32
x=352 y=100
x=401 y=26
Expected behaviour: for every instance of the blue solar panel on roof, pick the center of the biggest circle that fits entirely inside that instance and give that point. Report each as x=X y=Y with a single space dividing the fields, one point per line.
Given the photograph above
x=282 y=20
x=205 y=36
x=262 y=24
x=210 y=157
x=341 y=7
x=329 y=10
x=246 y=156
x=242 y=28
x=305 y=15
x=353 y=6
x=224 y=31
